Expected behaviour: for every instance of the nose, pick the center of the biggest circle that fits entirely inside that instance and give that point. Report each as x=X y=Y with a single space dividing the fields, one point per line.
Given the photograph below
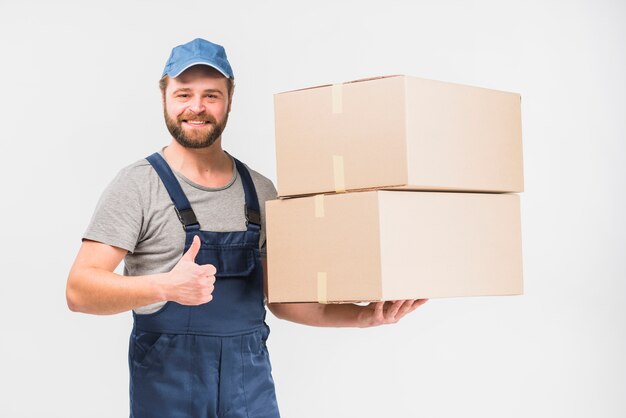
x=196 y=105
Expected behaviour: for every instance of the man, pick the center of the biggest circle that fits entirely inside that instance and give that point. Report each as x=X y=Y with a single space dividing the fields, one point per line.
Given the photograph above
x=189 y=223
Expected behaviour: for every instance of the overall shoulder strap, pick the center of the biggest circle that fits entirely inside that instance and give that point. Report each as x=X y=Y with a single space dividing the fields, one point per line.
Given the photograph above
x=181 y=203
x=252 y=211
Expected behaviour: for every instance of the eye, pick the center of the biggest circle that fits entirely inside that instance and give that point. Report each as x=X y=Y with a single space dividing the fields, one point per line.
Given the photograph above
x=184 y=96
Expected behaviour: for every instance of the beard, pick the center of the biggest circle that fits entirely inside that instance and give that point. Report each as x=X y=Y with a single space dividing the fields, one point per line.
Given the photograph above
x=195 y=137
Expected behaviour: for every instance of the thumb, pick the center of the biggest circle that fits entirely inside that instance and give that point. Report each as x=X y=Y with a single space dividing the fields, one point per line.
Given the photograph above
x=193 y=249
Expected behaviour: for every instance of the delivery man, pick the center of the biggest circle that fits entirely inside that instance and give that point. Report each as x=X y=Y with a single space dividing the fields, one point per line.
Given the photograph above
x=189 y=221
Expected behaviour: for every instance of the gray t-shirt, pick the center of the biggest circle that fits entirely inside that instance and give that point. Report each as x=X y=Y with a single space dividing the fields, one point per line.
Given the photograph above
x=136 y=213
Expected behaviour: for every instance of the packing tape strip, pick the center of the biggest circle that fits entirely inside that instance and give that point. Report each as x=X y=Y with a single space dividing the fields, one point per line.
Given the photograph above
x=319 y=206
x=337 y=98
x=322 y=287
x=338 y=173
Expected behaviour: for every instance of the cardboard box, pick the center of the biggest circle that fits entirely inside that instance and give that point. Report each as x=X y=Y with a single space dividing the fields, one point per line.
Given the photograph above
x=388 y=245
x=398 y=131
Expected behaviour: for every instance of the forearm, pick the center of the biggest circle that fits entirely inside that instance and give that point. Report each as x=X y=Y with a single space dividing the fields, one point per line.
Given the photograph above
x=319 y=315
x=101 y=292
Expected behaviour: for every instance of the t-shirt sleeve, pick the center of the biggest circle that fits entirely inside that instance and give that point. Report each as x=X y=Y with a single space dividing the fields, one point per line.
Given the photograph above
x=269 y=193
x=118 y=217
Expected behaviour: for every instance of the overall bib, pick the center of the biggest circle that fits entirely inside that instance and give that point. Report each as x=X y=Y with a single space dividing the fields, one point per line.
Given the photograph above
x=210 y=360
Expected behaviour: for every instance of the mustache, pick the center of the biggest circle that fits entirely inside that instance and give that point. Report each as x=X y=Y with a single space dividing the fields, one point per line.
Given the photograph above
x=197 y=117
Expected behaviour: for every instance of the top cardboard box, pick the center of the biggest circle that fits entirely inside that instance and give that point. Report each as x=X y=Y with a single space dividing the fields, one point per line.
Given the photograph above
x=398 y=132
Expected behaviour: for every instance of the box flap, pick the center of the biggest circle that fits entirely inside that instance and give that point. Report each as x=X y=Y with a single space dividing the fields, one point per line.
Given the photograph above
x=345 y=82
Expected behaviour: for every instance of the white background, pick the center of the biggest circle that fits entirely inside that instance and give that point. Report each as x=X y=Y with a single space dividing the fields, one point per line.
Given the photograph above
x=80 y=100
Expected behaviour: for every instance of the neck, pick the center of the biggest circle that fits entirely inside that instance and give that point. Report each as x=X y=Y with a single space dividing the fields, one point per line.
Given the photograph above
x=209 y=166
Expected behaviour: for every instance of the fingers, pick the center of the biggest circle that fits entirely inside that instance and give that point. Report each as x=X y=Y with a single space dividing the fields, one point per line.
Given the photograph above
x=193 y=249
x=209 y=269
x=400 y=308
x=420 y=302
x=406 y=308
x=397 y=309
x=378 y=312
x=410 y=306
x=393 y=311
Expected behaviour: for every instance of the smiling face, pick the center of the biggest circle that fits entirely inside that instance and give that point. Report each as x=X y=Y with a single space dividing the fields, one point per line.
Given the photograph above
x=196 y=106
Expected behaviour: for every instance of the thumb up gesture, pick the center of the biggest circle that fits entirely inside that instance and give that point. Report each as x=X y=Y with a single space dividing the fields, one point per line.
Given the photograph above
x=189 y=283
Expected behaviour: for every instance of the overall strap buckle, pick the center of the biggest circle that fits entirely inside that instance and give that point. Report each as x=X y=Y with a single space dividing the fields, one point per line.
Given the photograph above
x=252 y=216
x=187 y=217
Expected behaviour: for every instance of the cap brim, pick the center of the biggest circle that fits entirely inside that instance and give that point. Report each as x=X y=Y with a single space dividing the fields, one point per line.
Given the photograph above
x=191 y=64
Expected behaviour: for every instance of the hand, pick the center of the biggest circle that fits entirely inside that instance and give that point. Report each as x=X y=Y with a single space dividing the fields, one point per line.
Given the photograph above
x=381 y=313
x=189 y=283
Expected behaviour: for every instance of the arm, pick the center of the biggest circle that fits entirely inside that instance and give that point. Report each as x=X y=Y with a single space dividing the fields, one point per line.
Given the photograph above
x=342 y=315
x=93 y=288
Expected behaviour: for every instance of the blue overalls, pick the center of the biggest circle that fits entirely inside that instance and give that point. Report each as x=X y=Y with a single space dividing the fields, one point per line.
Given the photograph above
x=208 y=360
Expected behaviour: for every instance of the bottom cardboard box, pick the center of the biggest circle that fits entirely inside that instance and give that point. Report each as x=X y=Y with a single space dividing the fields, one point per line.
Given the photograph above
x=387 y=245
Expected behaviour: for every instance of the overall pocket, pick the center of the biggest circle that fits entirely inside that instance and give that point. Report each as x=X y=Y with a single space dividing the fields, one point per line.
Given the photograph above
x=235 y=262
x=147 y=346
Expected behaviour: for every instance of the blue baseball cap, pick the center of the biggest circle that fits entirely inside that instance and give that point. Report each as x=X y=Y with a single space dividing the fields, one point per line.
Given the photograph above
x=198 y=51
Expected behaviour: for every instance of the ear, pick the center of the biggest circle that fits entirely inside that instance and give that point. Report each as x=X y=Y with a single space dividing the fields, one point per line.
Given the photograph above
x=163 y=83
x=230 y=98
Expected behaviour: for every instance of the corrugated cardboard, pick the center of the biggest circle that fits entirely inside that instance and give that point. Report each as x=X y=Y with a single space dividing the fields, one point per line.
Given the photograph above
x=397 y=131
x=388 y=245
